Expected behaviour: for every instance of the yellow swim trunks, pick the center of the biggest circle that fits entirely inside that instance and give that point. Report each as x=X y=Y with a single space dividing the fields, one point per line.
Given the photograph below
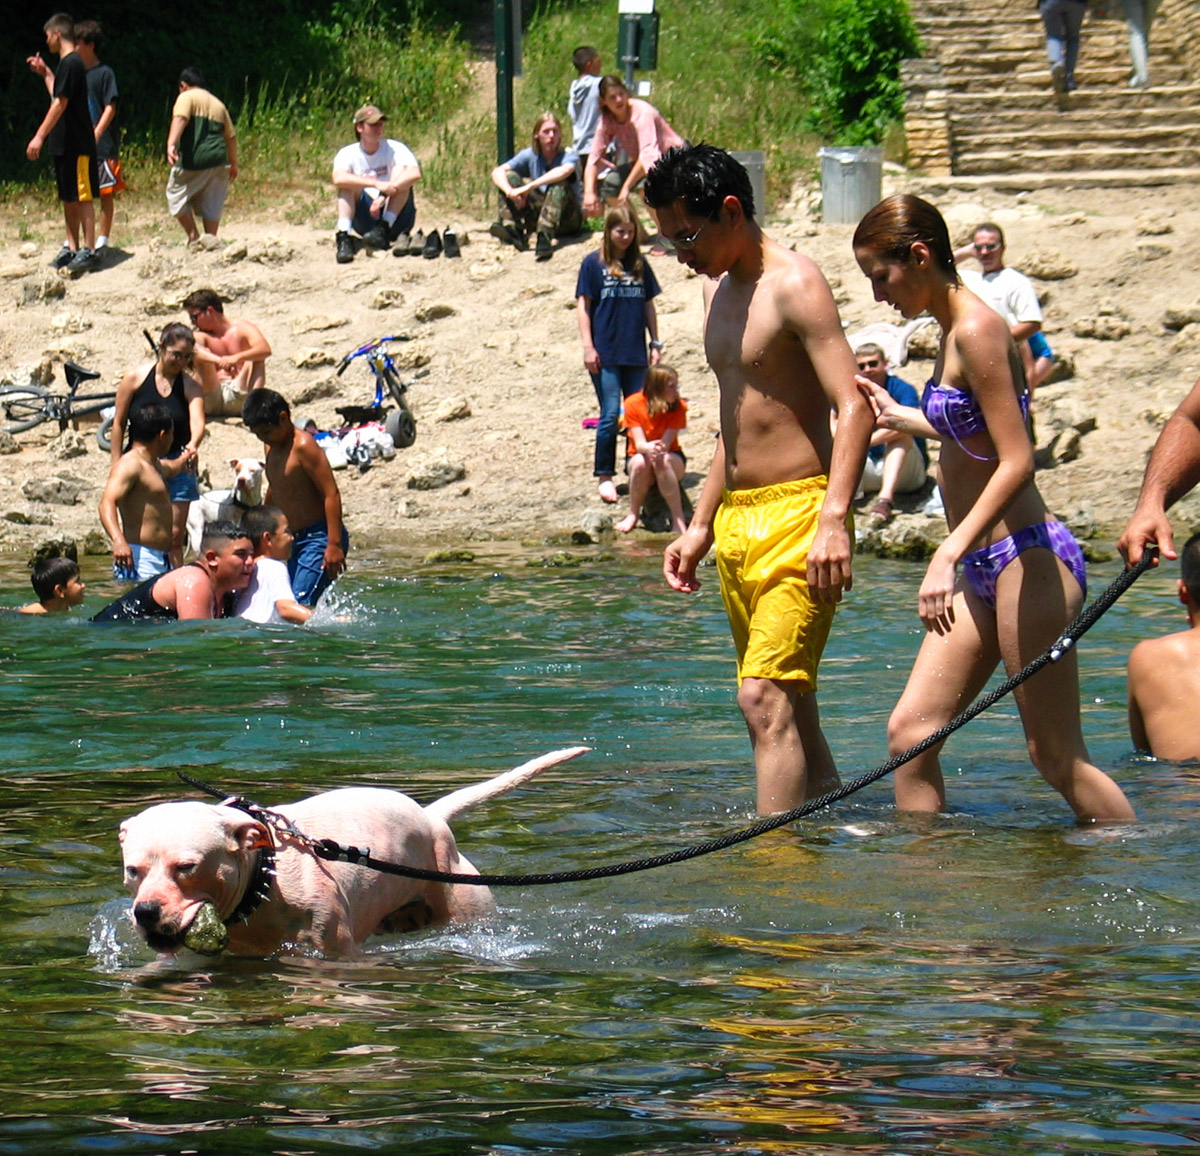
x=763 y=538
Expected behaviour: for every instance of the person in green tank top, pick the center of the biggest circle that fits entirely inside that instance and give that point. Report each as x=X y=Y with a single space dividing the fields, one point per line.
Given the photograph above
x=202 y=149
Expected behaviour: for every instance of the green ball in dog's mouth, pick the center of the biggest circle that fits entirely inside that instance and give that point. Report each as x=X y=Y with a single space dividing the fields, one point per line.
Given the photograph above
x=208 y=934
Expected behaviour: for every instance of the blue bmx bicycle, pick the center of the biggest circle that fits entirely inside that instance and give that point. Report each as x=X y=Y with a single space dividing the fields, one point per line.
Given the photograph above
x=399 y=423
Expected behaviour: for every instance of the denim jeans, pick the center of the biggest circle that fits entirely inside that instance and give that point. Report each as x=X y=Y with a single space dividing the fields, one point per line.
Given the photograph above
x=306 y=566
x=612 y=383
x=1063 y=19
x=363 y=221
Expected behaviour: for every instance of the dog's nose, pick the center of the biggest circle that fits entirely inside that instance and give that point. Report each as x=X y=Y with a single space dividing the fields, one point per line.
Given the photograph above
x=147 y=914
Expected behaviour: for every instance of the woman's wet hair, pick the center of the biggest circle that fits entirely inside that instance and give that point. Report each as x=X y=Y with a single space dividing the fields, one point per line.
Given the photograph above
x=897 y=223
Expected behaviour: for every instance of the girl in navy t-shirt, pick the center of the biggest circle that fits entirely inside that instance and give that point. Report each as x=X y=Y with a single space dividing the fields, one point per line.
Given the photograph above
x=615 y=296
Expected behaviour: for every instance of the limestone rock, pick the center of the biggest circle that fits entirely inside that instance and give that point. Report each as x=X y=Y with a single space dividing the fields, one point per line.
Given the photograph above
x=924 y=344
x=46 y=287
x=1049 y=265
x=1151 y=224
x=8 y=443
x=68 y=444
x=69 y=323
x=456 y=554
x=435 y=311
x=96 y=544
x=435 y=473
x=59 y=490
x=312 y=358
x=234 y=252
x=595 y=524
x=28 y=251
x=1152 y=250
x=208 y=242
x=329 y=387
x=1105 y=327
x=1178 y=316
x=12 y=272
x=411 y=356
x=271 y=250
x=907 y=537
x=387 y=299
x=453 y=409
x=316 y=323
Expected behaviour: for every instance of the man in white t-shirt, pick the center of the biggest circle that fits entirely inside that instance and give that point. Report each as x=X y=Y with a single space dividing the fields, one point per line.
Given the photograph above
x=269 y=598
x=1012 y=295
x=374 y=179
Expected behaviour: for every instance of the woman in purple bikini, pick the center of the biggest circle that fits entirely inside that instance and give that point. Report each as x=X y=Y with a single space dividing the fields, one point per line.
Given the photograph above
x=1022 y=572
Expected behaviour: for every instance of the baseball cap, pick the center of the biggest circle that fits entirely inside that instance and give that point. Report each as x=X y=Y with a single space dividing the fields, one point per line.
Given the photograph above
x=368 y=114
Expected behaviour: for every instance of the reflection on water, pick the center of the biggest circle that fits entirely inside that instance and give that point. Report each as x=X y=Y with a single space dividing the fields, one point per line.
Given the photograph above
x=992 y=981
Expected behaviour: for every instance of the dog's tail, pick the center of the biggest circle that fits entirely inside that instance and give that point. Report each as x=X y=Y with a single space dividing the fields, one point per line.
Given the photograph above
x=458 y=801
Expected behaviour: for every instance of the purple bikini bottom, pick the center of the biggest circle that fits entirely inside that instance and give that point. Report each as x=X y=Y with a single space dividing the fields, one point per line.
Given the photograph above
x=982 y=567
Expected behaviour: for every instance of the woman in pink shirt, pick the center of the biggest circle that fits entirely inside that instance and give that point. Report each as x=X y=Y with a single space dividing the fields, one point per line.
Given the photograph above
x=636 y=127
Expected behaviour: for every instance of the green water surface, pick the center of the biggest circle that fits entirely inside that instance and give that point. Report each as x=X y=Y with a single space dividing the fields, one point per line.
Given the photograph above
x=993 y=981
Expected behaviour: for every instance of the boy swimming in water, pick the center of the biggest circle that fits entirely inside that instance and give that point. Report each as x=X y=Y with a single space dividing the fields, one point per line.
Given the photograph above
x=269 y=598
x=57 y=584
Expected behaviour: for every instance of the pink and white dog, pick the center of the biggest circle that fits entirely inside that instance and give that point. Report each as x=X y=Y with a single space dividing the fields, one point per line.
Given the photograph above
x=183 y=857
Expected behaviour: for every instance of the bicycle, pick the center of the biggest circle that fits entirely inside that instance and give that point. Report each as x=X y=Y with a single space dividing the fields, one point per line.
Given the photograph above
x=400 y=423
x=24 y=406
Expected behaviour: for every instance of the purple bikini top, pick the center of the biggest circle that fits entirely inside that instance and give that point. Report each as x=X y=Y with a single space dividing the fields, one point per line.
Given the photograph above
x=955 y=413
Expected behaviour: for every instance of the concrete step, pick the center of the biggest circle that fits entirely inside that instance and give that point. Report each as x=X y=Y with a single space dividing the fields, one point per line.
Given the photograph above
x=1099 y=100
x=1148 y=139
x=1027 y=72
x=1015 y=156
x=1024 y=180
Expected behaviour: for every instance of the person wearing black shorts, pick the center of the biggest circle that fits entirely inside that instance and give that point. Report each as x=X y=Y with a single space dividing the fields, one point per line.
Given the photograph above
x=66 y=131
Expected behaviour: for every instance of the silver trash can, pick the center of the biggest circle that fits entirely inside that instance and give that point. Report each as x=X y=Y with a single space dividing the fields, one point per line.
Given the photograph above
x=755 y=164
x=851 y=183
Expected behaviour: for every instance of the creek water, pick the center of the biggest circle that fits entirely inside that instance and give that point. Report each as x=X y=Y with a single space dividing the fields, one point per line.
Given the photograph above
x=994 y=980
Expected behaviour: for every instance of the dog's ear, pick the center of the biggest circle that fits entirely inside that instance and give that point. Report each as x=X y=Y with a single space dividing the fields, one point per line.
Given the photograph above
x=250 y=835
x=234 y=463
x=121 y=832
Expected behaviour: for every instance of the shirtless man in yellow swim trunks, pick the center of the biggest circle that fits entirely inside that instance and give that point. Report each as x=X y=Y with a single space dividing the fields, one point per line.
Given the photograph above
x=777 y=499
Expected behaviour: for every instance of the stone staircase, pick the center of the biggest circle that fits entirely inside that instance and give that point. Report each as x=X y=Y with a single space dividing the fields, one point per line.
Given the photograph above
x=979 y=105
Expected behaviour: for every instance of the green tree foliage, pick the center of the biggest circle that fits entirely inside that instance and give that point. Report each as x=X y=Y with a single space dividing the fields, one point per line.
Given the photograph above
x=309 y=56
x=845 y=55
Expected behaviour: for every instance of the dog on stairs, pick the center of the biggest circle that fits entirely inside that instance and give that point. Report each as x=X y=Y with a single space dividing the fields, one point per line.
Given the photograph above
x=221 y=505
x=213 y=877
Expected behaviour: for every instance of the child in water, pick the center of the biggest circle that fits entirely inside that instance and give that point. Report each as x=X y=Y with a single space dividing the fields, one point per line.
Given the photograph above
x=57 y=584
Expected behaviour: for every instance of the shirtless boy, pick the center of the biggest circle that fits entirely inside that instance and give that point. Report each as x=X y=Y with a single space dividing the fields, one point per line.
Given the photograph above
x=1164 y=676
x=301 y=483
x=230 y=356
x=57 y=584
x=269 y=598
x=135 y=508
x=777 y=498
x=198 y=589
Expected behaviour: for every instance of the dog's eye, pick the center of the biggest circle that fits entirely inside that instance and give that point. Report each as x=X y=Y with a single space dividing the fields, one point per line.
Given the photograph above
x=185 y=868
x=131 y=873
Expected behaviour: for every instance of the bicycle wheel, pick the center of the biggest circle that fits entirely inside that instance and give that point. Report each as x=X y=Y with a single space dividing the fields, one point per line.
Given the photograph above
x=395 y=386
x=22 y=407
x=104 y=434
x=402 y=427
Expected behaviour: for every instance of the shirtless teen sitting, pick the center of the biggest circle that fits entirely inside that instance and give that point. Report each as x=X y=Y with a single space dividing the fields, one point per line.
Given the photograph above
x=1164 y=676
x=231 y=356
x=302 y=485
x=135 y=508
x=197 y=590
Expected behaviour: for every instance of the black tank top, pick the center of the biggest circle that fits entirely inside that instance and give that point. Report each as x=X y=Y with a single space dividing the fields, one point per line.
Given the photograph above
x=176 y=401
x=138 y=605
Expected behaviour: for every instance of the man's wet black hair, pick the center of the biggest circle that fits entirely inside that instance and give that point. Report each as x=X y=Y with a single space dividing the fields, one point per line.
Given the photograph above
x=701 y=176
x=263 y=407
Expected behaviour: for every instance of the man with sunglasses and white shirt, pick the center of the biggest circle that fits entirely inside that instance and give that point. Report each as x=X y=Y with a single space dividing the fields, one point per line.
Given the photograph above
x=778 y=494
x=1012 y=295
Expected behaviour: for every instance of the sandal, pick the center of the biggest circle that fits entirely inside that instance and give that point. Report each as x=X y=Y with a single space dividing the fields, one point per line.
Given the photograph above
x=882 y=510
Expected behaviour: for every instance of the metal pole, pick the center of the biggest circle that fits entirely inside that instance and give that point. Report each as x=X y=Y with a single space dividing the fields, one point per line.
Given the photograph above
x=629 y=32
x=503 y=14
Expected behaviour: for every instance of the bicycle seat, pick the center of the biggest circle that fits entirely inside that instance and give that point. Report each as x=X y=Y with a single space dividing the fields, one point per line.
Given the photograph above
x=76 y=375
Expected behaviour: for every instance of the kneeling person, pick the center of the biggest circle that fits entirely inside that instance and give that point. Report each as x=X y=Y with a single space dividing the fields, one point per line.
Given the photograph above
x=198 y=589
x=269 y=598
x=301 y=483
x=896 y=462
x=135 y=508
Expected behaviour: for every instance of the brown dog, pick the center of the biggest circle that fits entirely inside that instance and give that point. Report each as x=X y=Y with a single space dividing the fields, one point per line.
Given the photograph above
x=189 y=860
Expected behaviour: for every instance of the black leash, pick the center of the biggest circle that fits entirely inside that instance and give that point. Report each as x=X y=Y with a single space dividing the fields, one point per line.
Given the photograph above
x=362 y=857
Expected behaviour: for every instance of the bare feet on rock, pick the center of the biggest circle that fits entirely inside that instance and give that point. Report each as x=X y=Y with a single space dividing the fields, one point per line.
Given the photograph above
x=629 y=522
x=606 y=490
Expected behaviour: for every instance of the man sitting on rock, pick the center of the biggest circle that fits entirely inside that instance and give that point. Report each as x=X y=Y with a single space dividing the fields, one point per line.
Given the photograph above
x=374 y=179
x=230 y=356
x=896 y=462
x=539 y=191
